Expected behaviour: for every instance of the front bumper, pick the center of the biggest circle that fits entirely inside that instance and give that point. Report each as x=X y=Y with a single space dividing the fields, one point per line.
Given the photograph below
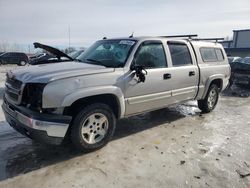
x=46 y=128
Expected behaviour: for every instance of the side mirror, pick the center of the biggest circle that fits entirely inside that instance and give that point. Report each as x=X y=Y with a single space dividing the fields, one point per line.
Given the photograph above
x=140 y=72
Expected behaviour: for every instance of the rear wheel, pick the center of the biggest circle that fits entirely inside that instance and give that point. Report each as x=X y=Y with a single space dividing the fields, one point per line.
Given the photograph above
x=210 y=101
x=93 y=127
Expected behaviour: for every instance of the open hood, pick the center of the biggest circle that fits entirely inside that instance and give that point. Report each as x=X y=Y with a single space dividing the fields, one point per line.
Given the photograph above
x=59 y=54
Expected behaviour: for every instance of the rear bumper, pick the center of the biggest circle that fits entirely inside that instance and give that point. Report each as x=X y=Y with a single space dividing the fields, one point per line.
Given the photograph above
x=46 y=128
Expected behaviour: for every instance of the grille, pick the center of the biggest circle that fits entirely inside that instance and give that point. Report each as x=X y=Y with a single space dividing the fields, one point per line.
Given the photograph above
x=13 y=90
x=16 y=84
x=12 y=95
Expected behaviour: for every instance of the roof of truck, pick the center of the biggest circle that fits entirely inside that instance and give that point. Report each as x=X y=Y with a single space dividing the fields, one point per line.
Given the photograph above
x=194 y=41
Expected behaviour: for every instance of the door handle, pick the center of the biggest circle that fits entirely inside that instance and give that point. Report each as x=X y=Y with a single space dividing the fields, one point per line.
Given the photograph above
x=166 y=76
x=191 y=73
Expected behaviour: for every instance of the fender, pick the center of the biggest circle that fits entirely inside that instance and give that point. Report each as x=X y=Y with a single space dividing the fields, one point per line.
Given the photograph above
x=92 y=91
x=209 y=80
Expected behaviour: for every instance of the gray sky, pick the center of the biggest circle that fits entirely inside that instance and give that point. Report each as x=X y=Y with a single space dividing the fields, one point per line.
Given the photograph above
x=47 y=21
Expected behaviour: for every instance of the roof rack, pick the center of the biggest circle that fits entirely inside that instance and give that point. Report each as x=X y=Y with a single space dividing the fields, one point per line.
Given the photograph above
x=210 y=39
x=180 y=36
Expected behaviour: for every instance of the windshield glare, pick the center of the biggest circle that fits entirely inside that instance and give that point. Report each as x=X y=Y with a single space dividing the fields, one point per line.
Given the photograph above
x=109 y=53
x=75 y=54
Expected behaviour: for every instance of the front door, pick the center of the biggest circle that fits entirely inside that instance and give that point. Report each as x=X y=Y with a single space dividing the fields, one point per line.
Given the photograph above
x=155 y=92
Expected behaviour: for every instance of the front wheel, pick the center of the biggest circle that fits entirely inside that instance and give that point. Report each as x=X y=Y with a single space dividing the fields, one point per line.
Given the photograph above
x=210 y=101
x=93 y=127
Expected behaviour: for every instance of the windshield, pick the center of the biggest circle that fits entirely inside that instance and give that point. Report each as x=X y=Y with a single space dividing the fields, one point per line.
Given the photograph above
x=108 y=53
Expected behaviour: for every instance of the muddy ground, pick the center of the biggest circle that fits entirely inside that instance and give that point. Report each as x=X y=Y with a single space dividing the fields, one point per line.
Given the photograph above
x=173 y=147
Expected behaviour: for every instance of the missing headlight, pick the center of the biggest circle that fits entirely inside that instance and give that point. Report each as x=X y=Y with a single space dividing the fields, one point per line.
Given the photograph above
x=32 y=96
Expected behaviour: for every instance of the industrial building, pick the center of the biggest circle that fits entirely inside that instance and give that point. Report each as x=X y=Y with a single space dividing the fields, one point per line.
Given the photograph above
x=240 y=45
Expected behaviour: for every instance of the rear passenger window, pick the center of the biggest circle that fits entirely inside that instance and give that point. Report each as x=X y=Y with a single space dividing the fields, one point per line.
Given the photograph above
x=211 y=54
x=180 y=54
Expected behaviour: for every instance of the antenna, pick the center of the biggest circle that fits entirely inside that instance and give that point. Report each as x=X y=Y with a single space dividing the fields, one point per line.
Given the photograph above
x=69 y=36
x=132 y=35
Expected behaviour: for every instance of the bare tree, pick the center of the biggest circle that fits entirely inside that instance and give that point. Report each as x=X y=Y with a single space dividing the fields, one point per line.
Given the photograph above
x=4 y=46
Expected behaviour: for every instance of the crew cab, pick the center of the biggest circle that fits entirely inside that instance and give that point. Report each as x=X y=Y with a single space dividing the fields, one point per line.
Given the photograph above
x=112 y=79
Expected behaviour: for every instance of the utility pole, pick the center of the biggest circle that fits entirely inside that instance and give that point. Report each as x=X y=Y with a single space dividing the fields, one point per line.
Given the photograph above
x=69 y=37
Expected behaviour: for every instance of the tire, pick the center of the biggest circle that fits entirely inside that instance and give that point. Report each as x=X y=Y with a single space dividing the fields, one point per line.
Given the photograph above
x=210 y=101
x=22 y=63
x=93 y=127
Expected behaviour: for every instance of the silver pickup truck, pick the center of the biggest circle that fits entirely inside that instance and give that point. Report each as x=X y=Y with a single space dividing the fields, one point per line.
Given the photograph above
x=112 y=79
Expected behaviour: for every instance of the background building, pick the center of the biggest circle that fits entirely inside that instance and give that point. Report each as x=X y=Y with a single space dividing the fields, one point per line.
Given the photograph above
x=240 y=45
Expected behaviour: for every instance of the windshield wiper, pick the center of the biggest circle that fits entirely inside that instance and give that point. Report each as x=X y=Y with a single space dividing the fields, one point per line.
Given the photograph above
x=97 y=62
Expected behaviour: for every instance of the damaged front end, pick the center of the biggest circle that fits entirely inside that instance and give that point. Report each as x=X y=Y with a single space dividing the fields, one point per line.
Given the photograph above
x=22 y=106
x=32 y=96
x=28 y=95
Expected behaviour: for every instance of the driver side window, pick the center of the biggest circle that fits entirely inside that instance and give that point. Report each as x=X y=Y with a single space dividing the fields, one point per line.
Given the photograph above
x=151 y=55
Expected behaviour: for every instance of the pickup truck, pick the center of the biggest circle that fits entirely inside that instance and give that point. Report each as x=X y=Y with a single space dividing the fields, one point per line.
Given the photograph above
x=113 y=79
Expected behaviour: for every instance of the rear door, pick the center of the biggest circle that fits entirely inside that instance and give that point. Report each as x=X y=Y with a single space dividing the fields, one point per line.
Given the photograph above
x=15 y=58
x=184 y=73
x=9 y=58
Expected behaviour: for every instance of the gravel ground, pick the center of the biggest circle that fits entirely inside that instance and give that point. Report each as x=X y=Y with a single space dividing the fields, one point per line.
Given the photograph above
x=173 y=147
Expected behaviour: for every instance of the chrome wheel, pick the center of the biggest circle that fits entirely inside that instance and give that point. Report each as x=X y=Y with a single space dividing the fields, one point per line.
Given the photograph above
x=212 y=98
x=94 y=128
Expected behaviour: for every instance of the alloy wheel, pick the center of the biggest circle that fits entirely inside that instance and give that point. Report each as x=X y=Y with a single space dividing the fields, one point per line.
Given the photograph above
x=94 y=128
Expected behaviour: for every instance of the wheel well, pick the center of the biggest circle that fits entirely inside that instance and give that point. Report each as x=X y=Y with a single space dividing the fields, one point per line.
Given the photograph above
x=218 y=83
x=109 y=99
